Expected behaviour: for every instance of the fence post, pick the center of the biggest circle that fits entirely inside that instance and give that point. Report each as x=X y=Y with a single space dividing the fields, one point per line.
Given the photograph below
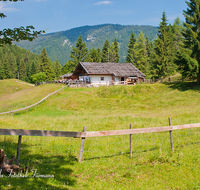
x=11 y=112
x=171 y=137
x=82 y=145
x=18 y=149
x=130 y=142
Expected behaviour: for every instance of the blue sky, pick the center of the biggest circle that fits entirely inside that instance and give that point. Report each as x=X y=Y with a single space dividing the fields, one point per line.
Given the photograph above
x=59 y=15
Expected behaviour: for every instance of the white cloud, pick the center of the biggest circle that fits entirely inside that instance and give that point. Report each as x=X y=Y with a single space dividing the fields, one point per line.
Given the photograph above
x=5 y=7
x=103 y=3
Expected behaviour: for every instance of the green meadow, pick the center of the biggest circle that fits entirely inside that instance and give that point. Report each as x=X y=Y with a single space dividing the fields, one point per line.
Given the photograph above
x=106 y=160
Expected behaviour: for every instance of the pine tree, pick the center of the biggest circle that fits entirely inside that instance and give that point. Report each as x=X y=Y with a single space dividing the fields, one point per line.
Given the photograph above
x=141 y=55
x=163 y=27
x=69 y=67
x=6 y=73
x=79 y=53
x=105 y=52
x=163 y=57
x=94 y=55
x=45 y=65
x=57 y=69
x=116 y=50
x=130 y=57
x=188 y=57
x=12 y=64
x=177 y=30
x=1 y=70
x=33 y=68
x=113 y=52
x=22 y=70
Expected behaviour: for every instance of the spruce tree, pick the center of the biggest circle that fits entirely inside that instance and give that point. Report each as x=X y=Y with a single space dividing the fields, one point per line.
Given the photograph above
x=57 y=69
x=94 y=55
x=45 y=65
x=141 y=55
x=188 y=58
x=79 y=53
x=163 y=27
x=130 y=57
x=6 y=73
x=12 y=64
x=105 y=52
x=22 y=70
x=116 y=50
x=69 y=67
x=163 y=56
x=33 y=68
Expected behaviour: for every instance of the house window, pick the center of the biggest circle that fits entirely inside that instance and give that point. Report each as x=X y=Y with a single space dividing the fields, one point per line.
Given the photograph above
x=102 y=78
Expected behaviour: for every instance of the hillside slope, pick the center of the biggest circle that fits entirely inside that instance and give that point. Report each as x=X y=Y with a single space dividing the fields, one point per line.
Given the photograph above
x=59 y=44
x=152 y=166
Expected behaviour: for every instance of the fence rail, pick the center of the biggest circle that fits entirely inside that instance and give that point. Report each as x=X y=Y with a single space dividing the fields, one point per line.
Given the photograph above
x=94 y=133
x=84 y=134
x=37 y=103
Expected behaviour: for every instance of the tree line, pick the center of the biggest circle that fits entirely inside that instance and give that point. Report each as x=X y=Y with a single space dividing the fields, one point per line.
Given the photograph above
x=22 y=64
x=156 y=59
x=176 y=49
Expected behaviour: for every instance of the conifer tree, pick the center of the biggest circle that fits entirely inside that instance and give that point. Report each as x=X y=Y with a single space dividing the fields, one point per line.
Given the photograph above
x=45 y=65
x=188 y=58
x=94 y=55
x=163 y=27
x=163 y=57
x=12 y=65
x=22 y=70
x=57 y=69
x=79 y=53
x=6 y=74
x=105 y=52
x=113 y=52
x=141 y=55
x=130 y=57
x=69 y=67
x=116 y=50
x=33 y=68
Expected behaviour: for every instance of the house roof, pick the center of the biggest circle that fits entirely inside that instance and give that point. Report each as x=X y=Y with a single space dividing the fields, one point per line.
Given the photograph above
x=117 y=69
x=66 y=75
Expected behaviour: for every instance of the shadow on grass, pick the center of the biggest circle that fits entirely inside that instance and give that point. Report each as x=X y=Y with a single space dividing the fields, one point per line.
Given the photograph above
x=184 y=86
x=127 y=153
x=44 y=171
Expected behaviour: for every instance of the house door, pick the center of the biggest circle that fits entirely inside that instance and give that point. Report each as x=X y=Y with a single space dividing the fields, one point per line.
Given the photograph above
x=122 y=78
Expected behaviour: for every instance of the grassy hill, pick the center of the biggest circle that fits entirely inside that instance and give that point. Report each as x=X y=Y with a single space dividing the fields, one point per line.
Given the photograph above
x=59 y=44
x=106 y=164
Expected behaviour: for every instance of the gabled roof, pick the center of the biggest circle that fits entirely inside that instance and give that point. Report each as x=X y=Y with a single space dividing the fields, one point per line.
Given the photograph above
x=66 y=75
x=117 y=69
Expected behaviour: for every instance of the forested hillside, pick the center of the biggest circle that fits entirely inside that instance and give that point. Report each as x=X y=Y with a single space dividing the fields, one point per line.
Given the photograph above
x=174 y=49
x=22 y=64
x=59 y=44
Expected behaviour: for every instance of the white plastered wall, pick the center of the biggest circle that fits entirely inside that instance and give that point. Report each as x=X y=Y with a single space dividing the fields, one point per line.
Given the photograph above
x=96 y=79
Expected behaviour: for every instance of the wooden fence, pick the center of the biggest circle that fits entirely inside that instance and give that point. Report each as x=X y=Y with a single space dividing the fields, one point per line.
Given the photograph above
x=37 y=103
x=85 y=134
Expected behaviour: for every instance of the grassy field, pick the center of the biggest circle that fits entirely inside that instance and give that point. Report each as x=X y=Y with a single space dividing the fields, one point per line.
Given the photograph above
x=106 y=163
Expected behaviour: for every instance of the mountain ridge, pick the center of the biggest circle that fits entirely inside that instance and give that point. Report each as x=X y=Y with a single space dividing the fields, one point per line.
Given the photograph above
x=59 y=44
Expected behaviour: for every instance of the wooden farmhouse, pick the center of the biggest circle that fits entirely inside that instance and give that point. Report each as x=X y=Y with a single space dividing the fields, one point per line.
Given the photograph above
x=103 y=73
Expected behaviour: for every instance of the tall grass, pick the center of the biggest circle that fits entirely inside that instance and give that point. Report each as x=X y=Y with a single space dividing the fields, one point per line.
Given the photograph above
x=106 y=163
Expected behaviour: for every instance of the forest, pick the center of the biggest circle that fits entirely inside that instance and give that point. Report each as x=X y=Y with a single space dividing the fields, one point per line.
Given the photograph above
x=175 y=50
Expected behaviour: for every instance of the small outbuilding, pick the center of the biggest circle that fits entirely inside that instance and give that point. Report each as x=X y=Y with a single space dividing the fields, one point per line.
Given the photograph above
x=104 y=73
